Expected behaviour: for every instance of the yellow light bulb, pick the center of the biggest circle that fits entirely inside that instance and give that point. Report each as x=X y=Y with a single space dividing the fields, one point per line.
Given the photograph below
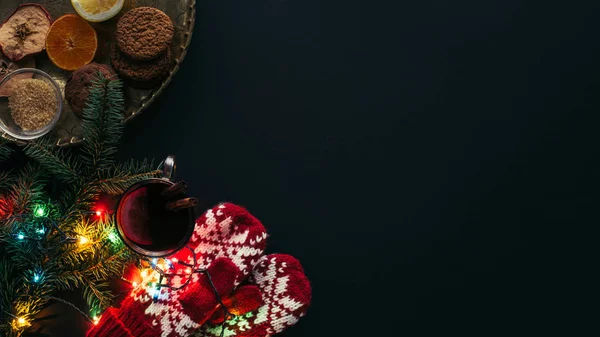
x=134 y=284
x=144 y=273
x=83 y=240
x=96 y=320
x=21 y=321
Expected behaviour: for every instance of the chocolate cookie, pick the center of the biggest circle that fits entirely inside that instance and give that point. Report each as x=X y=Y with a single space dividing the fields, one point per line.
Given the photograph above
x=148 y=72
x=78 y=87
x=144 y=33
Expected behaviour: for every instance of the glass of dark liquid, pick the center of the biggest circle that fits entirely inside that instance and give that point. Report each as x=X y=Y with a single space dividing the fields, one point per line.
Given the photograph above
x=145 y=221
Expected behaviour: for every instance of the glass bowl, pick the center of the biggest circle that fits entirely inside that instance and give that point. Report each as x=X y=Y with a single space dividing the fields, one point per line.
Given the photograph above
x=7 y=124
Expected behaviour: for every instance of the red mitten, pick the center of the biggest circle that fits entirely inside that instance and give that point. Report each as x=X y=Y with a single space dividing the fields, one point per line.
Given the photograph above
x=199 y=302
x=286 y=294
x=226 y=231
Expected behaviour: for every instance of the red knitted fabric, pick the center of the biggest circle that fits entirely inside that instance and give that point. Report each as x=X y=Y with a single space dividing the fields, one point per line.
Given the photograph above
x=200 y=300
x=230 y=231
x=286 y=294
x=112 y=324
x=198 y=303
x=244 y=299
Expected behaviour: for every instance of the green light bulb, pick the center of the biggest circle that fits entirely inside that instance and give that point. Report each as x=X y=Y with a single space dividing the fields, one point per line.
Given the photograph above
x=39 y=211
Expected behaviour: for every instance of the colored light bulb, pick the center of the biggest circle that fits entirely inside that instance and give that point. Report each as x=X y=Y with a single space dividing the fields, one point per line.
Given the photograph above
x=113 y=237
x=39 y=211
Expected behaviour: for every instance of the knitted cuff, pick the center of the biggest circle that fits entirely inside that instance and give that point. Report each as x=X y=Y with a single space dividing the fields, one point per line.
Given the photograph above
x=123 y=322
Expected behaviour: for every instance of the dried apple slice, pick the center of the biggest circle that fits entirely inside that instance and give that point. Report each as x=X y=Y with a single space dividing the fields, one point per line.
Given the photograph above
x=24 y=32
x=7 y=66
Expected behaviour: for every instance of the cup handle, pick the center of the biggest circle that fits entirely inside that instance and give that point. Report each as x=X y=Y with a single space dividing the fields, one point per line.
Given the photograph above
x=169 y=167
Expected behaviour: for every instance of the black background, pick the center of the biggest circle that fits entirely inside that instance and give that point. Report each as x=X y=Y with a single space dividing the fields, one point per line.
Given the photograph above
x=433 y=164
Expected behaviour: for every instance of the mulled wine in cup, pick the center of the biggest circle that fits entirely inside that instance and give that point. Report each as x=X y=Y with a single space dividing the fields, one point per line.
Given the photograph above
x=154 y=217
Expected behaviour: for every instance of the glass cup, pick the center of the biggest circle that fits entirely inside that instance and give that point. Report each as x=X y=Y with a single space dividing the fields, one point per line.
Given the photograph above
x=145 y=223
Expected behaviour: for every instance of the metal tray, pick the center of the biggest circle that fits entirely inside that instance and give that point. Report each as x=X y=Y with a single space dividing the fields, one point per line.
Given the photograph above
x=182 y=12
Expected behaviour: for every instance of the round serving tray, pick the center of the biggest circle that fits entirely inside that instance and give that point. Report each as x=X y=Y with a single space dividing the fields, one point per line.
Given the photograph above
x=182 y=12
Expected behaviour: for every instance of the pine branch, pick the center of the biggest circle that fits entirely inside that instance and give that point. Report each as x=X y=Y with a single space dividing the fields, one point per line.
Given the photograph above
x=6 y=180
x=27 y=190
x=78 y=199
x=57 y=161
x=97 y=296
x=117 y=179
x=4 y=149
x=103 y=122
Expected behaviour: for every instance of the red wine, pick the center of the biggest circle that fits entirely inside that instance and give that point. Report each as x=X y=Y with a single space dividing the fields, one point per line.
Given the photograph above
x=148 y=224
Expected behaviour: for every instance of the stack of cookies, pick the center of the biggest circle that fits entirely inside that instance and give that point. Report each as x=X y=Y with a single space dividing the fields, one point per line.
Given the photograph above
x=142 y=52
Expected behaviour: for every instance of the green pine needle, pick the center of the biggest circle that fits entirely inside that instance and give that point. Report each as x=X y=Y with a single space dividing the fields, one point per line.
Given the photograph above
x=60 y=163
x=117 y=179
x=103 y=122
x=5 y=150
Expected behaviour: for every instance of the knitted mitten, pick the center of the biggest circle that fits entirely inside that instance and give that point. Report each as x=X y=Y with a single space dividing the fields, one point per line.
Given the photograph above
x=199 y=303
x=229 y=231
x=226 y=231
x=286 y=295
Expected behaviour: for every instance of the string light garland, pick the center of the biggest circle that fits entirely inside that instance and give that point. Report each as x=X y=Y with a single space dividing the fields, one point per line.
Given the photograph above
x=35 y=228
x=153 y=277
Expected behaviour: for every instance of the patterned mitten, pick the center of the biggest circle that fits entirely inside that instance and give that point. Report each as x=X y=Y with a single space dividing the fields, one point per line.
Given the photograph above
x=199 y=303
x=226 y=231
x=229 y=231
x=286 y=294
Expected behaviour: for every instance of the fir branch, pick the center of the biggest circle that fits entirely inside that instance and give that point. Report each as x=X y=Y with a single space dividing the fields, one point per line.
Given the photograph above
x=6 y=180
x=103 y=122
x=57 y=161
x=120 y=177
x=5 y=150
x=27 y=189
x=97 y=296
x=78 y=199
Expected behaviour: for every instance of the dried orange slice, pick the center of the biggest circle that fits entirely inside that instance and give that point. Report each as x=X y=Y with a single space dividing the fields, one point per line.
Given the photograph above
x=71 y=42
